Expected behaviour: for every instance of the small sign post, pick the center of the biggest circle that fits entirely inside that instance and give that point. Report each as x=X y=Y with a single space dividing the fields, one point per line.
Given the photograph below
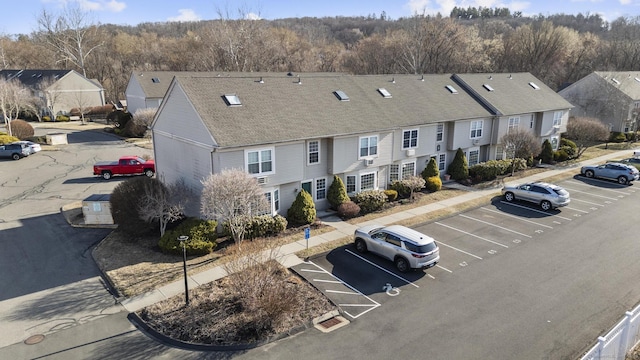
x=307 y=232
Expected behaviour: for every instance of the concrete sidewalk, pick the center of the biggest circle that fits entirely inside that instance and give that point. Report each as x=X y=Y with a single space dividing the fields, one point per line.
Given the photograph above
x=287 y=256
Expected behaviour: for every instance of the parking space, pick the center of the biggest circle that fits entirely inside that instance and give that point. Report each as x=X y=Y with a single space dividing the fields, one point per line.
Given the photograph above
x=360 y=283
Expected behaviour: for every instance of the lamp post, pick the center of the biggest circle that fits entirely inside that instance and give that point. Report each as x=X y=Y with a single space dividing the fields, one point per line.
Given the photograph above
x=183 y=239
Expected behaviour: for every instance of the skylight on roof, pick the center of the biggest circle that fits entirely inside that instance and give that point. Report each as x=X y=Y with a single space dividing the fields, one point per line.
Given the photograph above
x=232 y=100
x=534 y=86
x=384 y=92
x=341 y=95
x=451 y=89
x=615 y=81
x=487 y=86
x=155 y=80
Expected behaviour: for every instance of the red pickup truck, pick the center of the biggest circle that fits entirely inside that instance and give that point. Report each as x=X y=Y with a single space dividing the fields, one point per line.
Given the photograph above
x=126 y=165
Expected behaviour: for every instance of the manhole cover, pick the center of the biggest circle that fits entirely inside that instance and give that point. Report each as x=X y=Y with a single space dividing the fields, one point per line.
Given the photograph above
x=330 y=323
x=34 y=339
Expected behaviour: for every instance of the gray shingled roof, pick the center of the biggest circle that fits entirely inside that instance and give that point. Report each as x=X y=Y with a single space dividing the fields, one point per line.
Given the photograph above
x=512 y=93
x=280 y=109
x=31 y=78
x=629 y=81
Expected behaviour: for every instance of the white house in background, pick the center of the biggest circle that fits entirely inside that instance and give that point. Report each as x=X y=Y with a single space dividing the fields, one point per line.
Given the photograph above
x=613 y=97
x=59 y=90
x=297 y=132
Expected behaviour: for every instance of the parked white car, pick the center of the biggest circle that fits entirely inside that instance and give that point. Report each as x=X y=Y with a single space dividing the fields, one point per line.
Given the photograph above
x=33 y=147
x=407 y=248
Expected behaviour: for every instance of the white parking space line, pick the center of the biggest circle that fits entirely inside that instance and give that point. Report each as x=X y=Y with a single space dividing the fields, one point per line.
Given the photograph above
x=578 y=210
x=517 y=217
x=444 y=268
x=355 y=291
x=530 y=209
x=611 y=190
x=587 y=202
x=381 y=268
x=494 y=225
x=472 y=235
x=328 y=281
x=459 y=250
x=596 y=195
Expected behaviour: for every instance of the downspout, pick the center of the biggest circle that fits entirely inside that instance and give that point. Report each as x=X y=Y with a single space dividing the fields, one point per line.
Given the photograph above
x=494 y=119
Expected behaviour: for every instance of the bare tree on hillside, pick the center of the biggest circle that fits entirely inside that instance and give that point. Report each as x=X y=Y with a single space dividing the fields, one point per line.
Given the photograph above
x=70 y=35
x=14 y=97
x=233 y=196
x=586 y=132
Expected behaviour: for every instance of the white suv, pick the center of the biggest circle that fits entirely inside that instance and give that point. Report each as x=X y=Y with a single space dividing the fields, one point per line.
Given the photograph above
x=407 y=248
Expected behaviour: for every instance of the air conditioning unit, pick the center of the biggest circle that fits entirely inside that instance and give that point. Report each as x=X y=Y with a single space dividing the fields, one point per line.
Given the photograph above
x=475 y=141
x=368 y=162
x=411 y=152
x=263 y=180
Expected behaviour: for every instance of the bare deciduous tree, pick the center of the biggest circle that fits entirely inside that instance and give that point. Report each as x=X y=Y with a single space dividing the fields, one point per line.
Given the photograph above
x=163 y=203
x=144 y=117
x=520 y=144
x=233 y=196
x=585 y=132
x=70 y=35
x=14 y=97
x=415 y=183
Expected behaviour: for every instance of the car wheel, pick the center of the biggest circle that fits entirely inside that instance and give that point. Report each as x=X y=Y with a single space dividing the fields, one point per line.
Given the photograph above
x=622 y=180
x=509 y=196
x=545 y=205
x=106 y=175
x=361 y=246
x=149 y=173
x=588 y=173
x=402 y=264
x=15 y=156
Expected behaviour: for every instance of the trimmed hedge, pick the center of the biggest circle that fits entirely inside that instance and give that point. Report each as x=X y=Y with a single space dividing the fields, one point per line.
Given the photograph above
x=491 y=169
x=433 y=183
x=392 y=195
x=400 y=188
x=260 y=226
x=202 y=237
x=370 y=200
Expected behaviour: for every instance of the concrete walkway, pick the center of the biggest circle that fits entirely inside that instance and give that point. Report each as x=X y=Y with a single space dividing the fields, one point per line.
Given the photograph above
x=287 y=256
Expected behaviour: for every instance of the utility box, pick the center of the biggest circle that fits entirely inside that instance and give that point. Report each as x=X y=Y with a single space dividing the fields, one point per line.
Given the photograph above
x=97 y=210
x=56 y=139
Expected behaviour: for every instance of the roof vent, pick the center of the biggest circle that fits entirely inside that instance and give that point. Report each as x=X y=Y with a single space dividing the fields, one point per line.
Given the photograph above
x=422 y=77
x=510 y=77
x=299 y=81
x=260 y=81
x=393 y=80
x=341 y=95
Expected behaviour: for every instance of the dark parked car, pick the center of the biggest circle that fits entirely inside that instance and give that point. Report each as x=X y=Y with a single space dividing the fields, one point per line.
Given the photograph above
x=14 y=151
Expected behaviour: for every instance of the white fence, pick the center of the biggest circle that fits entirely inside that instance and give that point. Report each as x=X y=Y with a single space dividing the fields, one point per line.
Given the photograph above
x=622 y=338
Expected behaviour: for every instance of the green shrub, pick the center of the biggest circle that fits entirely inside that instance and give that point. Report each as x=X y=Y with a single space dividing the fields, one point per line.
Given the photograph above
x=489 y=170
x=400 y=188
x=519 y=164
x=392 y=195
x=21 y=129
x=303 y=210
x=202 y=237
x=569 y=147
x=370 y=200
x=62 y=118
x=337 y=193
x=431 y=169
x=459 y=167
x=119 y=118
x=348 y=210
x=560 y=155
x=617 y=137
x=547 y=152
x=433 y=183
x=260 y=226
x=124 y=202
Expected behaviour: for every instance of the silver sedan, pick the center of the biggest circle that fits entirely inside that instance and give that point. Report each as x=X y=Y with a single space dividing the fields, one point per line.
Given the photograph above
x=548 y=196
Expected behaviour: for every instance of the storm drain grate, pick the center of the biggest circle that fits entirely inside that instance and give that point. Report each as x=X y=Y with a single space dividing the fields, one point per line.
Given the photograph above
x=329 y=323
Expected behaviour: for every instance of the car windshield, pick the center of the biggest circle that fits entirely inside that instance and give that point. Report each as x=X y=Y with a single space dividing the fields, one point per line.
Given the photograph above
x=561 y=192
x=421 y=249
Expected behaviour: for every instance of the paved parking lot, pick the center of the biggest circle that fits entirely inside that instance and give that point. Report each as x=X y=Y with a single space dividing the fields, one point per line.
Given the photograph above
x=361 y=284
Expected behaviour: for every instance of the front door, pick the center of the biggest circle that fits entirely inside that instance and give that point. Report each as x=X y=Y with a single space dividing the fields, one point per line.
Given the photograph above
x=306 y=186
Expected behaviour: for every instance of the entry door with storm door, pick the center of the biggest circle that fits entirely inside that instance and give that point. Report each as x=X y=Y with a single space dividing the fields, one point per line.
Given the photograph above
x=308 y=187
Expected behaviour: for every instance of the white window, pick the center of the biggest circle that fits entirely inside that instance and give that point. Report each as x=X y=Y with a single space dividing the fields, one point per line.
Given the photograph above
x=368 y=181
x=410 y=139
x=442 y=161
x=368 y=146
x=313 y=149
x=476 y=129
x=260 y=161
x=532 y=122
x=394 y=172
x=554 y=143
x=321 y=189
x=557 y=118
x=439 y=132
x=514 y=122
x=408 y=169
x=276 y=200
x=474 y=157
x=499 y=152
x=351 y=184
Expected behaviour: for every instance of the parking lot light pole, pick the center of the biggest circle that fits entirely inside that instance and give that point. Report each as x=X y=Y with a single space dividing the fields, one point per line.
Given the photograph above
x=183 y=239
